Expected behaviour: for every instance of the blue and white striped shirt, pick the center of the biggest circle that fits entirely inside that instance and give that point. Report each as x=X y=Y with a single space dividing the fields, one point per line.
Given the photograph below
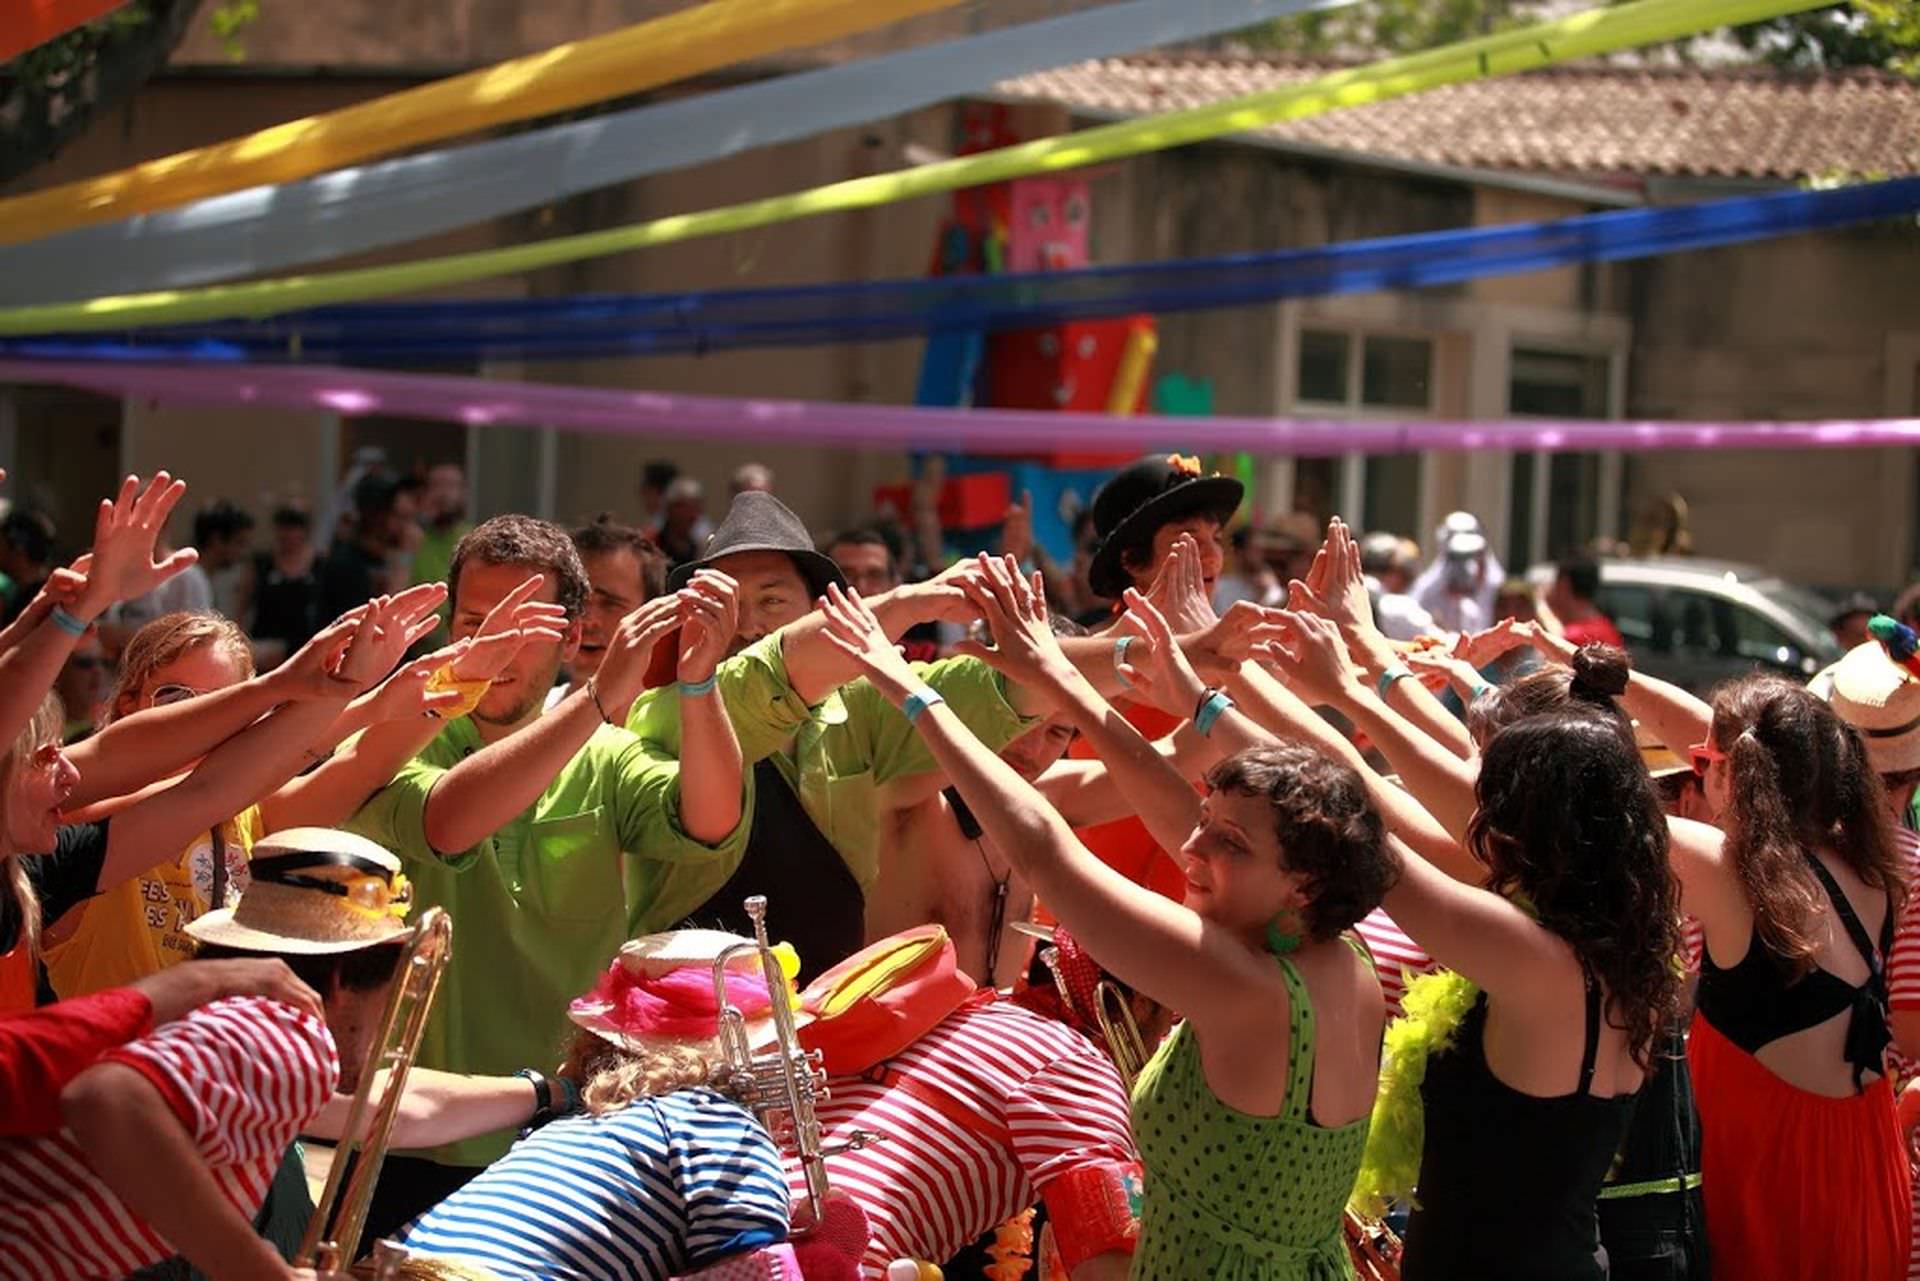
x=660 y=1188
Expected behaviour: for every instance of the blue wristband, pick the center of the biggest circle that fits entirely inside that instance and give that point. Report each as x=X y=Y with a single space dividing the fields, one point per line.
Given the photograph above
x=1398 y=672
x=67 y=622
x=698 y=689
x=1479 y=688
x=1120 y=656
x=1210 y=711
x=919 y=701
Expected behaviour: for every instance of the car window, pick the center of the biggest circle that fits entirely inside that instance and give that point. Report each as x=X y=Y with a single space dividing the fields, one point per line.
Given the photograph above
x=1630 y=606
x=1695 y=629
x=1758 y=638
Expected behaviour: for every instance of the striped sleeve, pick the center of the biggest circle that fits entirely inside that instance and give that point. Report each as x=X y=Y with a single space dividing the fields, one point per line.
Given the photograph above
x=245 y=1075
x=729 y=1175
x=1903 y=962
x=1070 y=1115
x=1397 y=959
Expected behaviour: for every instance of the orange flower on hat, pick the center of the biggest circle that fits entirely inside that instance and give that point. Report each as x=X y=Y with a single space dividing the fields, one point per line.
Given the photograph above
x=1185 y=464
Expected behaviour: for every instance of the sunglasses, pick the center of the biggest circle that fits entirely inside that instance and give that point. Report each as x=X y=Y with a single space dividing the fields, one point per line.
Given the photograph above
x=169 y=694
x=1704 y=756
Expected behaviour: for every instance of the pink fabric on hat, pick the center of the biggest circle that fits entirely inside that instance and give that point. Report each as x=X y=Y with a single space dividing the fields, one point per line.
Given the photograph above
x=681 y=1005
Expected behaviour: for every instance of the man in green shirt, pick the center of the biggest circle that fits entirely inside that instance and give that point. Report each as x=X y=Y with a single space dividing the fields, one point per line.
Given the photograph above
x=818 y=749
x=550 y=836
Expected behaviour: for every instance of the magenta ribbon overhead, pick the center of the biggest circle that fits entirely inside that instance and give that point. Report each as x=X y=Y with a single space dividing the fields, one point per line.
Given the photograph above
x=479 y=402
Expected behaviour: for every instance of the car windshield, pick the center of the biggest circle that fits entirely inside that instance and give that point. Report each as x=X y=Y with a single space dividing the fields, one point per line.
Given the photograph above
x=1811 y=606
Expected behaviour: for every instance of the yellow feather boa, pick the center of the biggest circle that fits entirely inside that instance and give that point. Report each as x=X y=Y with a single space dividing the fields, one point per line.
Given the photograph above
x=1431 y=1013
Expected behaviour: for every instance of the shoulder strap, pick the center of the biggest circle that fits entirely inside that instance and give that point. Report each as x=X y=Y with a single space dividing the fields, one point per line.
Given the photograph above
x=1592 y=1051
x=1848 y=917
x=219 y=867
x=1300 y=1045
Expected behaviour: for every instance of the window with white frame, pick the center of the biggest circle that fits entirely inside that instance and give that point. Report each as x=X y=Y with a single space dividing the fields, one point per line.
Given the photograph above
x=1357 y=374
x=1561 y=502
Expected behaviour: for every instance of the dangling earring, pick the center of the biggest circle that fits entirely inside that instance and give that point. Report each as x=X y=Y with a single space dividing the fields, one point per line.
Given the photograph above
x=1283 y=934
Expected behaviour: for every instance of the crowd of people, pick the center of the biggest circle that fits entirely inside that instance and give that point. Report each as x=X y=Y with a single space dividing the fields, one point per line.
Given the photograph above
x=1231 y=902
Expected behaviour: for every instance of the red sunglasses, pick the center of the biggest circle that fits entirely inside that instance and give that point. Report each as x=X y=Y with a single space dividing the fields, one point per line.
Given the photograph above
x=1704 y=756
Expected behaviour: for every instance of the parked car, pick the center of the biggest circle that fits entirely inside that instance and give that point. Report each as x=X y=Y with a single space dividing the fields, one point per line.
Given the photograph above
x=1697 y=622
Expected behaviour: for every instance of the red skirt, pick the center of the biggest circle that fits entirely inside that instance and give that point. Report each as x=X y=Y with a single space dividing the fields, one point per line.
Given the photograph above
x=1798 y=1186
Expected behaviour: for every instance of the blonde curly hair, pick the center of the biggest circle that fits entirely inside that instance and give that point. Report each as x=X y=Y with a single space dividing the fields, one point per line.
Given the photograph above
x=612 y=1077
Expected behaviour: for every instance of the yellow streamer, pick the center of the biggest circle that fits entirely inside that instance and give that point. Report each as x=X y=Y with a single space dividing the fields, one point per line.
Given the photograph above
x=642 y=56
x=1591 y=32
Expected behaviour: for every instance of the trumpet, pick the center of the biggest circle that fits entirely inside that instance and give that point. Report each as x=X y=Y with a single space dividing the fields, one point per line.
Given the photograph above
x=333 y=1235
x=788 y=1081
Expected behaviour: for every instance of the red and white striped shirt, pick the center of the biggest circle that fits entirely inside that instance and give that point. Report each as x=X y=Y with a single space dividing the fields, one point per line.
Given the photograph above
x=1396 y=957
x=243 y=1075
x=1040 y=1101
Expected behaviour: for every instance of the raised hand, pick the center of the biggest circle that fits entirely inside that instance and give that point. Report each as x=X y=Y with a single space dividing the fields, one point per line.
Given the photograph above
x=1312 y=658
x=309 y=673
x=1015 y=609
x=623 y=672
x=390 y=626
x=1179 y=590
x=1341 y=597
x=1217 y=652
x=1154 y=667
x=1477 y=649
x=517 y=620
x=180 y=989
x=404 y=695
x=852 y=629
x=711 y=610
x=124 y=533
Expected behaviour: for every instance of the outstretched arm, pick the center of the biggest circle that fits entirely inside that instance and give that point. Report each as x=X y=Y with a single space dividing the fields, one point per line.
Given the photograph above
x=710 y=763
x=480 y=795
x=266 y=754
x=120 y=566
x=1155 y=945
x=1314 y=660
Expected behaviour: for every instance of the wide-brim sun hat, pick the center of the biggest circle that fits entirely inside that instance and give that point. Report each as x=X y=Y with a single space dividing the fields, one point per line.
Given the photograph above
x=313 y=891
x=658 y=992
x=1155 y=491
x=759 y=522
x=1881 y=700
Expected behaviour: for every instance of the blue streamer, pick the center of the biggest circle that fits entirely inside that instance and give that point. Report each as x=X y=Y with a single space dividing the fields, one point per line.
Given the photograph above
x=662 y=324
x=264 y=231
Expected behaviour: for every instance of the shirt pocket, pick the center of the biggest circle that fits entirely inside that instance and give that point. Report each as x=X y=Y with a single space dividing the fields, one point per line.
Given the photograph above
x=573 y=867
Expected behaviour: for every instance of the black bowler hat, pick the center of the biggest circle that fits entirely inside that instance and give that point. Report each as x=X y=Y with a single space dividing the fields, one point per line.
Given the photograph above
x=759 y=522
x=1153 y=492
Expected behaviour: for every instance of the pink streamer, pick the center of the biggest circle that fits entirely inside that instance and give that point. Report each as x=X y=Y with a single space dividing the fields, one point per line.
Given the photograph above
x=478 y=402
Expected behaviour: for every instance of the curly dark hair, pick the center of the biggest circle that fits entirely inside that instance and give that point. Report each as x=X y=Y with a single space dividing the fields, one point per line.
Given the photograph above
x=1599 y=675
x=538 y=546
x=1568 y=822
x=1799 y=781
x=1329 y=831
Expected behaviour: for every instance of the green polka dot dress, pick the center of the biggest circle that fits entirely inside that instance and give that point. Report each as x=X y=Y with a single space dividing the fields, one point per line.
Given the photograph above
x=1232 y=1197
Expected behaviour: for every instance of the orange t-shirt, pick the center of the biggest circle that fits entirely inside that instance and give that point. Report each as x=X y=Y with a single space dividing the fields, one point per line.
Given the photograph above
x=1125 y=844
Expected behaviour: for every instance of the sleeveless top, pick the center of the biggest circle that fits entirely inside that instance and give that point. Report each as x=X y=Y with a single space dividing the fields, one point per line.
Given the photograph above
x=1759 y=1000
x=1240 y=1197
x=1508 y=1181
x=813 y=900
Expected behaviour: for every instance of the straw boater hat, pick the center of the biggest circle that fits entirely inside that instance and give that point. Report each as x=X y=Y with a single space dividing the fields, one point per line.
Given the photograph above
x=658 y=992
x=1881 y=700
x=1152 y=492
x=313 y=890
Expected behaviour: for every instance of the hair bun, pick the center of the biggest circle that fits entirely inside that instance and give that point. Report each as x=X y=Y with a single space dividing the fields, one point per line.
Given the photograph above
x=1600 y=673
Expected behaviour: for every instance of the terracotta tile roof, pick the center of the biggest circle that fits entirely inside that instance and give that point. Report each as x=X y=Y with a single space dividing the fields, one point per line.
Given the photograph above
x=1736 y=123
